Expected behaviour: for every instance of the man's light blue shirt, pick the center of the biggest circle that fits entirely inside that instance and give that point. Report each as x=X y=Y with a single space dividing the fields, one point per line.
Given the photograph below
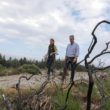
x=72 y=50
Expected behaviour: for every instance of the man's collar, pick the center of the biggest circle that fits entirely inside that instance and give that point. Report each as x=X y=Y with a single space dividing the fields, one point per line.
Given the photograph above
x=72 y=43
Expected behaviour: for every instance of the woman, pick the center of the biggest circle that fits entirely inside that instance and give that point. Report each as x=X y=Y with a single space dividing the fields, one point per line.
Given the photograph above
x=52 y=51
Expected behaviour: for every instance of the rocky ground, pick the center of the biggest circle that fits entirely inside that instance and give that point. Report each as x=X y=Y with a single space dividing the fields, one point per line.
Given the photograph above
x=11 y=81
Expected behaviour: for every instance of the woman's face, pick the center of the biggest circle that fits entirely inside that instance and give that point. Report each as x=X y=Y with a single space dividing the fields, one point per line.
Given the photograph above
x=51 y=42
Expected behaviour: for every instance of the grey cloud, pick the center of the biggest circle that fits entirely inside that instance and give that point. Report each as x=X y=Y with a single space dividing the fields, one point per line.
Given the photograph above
x=35 y=21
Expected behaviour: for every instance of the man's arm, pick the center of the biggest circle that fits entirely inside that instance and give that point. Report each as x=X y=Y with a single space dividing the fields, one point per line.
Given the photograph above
x=66 y=53
x=76 y=53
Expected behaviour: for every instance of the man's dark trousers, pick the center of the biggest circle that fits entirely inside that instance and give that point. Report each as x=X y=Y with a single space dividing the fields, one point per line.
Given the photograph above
x=69 y=61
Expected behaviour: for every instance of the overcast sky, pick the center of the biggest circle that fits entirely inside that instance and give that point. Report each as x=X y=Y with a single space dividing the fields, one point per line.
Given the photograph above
x=27 y=25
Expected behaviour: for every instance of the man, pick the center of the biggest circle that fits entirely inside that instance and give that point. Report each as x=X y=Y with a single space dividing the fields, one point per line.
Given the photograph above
x=52 y=50
x=72 y=53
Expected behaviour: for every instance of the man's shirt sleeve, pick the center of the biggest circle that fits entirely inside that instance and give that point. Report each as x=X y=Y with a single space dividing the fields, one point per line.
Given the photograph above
x=66 y=51
x=77 y=51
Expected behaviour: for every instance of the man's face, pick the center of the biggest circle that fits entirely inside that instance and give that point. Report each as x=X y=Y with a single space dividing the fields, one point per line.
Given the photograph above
x=71 y=39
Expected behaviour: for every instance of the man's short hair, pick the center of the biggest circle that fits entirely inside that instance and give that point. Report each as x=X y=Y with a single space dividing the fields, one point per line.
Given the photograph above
x=72 y=36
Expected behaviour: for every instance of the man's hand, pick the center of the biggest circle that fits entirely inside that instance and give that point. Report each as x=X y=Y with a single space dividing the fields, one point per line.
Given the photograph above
x=74 y=60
